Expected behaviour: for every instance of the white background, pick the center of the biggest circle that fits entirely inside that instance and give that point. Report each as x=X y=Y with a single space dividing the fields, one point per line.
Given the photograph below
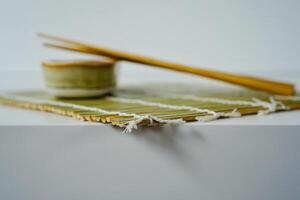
x=228 y=35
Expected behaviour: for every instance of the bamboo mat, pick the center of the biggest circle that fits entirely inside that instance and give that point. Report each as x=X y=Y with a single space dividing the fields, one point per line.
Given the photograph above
x=159 y=104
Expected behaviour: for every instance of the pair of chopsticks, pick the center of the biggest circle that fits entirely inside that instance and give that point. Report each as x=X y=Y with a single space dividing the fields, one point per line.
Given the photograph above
x=270 y=86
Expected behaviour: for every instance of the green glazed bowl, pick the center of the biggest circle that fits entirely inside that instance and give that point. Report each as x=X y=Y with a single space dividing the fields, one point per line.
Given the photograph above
x=79 y=78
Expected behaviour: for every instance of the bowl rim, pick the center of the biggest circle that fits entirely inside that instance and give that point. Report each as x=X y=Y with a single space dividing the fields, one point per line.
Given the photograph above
x=77 y=63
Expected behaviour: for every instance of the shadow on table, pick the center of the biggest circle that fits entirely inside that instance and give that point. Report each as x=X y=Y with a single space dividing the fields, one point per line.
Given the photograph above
x=181 y=145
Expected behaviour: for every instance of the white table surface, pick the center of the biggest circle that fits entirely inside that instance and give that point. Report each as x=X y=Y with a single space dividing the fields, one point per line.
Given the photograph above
x=47 y=156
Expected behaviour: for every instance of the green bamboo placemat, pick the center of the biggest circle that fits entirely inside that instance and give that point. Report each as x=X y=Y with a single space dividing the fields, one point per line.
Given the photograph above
x=159 y=104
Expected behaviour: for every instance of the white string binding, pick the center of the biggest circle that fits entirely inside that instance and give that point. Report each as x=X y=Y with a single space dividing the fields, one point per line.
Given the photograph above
x=213 y=115
x=133 y=124
x=269 y=106
x=128 y=128
x=63 y=104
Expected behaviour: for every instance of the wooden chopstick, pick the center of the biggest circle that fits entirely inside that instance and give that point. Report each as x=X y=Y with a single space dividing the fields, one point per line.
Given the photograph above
x=70 y=48
x=246 y=81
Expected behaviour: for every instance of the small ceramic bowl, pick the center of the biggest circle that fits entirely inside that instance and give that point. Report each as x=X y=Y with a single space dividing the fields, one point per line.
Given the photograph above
x=79 y=78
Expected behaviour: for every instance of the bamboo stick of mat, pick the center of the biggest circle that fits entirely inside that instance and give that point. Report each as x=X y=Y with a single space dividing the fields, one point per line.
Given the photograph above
x=270 y=86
